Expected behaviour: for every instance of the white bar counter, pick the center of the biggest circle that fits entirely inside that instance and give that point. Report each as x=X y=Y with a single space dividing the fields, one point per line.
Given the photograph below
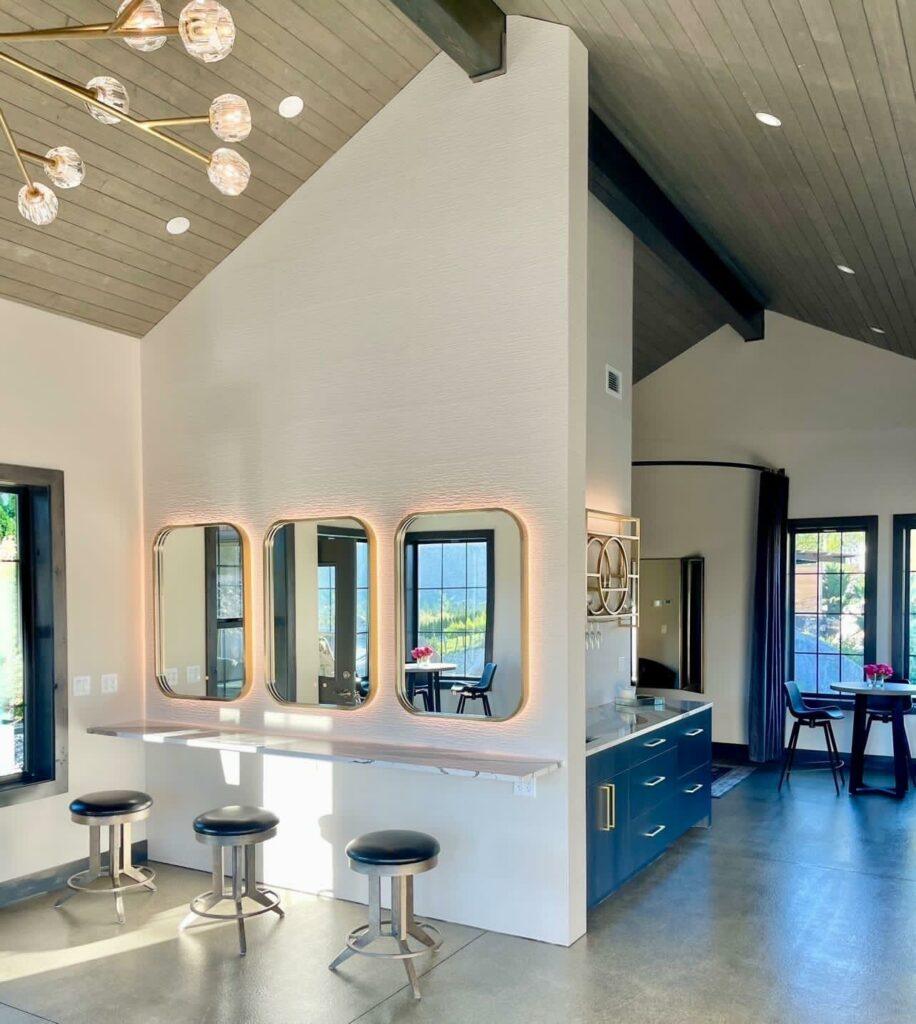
x=607 y=725
x=463 y=763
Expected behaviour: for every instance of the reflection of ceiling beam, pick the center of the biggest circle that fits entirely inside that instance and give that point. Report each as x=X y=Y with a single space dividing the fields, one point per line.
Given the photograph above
x=471 y=32
x=617 y=179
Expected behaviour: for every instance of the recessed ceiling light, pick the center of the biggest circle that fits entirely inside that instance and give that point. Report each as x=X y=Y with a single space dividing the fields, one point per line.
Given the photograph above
x=768 y=119
x=177 y=225
x=291 y=106
x=877 y=330
x=844 y=268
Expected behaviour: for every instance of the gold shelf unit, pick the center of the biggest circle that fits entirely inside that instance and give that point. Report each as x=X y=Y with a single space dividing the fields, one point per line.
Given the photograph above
x=612 y=568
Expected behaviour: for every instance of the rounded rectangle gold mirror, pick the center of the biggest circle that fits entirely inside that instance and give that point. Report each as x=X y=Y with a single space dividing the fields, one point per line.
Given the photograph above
x=318 y=601
x=462 y=634
x=201 y=609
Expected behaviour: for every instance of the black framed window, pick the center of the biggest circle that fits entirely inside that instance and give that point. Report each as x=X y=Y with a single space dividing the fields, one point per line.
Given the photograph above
x=904 y=598
x=33 y=705
x=832 y=588
x=362 y=609
x=225 y=612
x=449 y=577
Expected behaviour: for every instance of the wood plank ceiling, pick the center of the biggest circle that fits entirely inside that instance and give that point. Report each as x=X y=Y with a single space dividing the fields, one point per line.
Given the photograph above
x=679 y=82
x=107 y=259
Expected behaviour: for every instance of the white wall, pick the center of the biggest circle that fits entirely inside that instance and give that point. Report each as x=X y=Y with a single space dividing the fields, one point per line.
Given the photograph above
x=838 y=415
x=70 y=395
x=609 y=444
x=184 y=611
x=445 y=243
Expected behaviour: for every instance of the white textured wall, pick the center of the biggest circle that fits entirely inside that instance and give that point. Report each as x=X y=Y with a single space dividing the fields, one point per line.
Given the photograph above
x=70 y=395
x=839 y=415
x=305 y=376
x=610 y=441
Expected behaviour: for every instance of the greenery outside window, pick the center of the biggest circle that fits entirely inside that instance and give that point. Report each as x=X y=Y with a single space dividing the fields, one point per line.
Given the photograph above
x=33 y=670
x=904 y=598
x=831 y=597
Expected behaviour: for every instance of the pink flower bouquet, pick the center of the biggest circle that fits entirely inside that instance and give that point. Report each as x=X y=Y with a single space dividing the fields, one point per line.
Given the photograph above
x=422 y=654
x=878 y=673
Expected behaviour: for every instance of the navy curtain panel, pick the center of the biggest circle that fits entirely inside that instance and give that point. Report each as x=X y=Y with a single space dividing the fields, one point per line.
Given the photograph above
x=766 y=706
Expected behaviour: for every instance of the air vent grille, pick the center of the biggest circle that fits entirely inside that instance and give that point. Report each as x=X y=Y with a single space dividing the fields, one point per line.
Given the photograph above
x=613 y=382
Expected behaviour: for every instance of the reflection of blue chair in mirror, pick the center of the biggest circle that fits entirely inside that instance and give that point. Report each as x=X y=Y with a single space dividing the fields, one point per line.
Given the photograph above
x=421 y=687
x=814 y=717
x=478 y=690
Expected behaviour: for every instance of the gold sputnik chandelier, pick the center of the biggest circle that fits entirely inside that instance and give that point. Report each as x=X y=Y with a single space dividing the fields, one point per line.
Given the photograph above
x=208 y=33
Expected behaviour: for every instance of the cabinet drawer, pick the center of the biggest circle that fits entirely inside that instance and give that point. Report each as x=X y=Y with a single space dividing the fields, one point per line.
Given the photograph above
x=651 y=745
x=651 y=833
x=693 y=796
x=694 y=742
x=652 y=782
x=607 y=763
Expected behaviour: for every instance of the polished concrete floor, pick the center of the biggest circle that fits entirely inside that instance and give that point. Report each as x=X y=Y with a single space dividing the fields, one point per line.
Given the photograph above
x=792 y=909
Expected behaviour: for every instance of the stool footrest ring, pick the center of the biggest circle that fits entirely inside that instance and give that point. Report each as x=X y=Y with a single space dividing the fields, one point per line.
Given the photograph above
x=357 y=935
x=140 y=883
x=204 y=898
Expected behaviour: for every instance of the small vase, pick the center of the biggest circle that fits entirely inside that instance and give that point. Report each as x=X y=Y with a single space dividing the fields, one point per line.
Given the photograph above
x=425 y=660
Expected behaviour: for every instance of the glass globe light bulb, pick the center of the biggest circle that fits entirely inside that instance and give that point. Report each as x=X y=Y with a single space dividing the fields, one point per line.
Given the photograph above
x=147 y=15
x=37 y=203
x=229 y=171
x=207 y=30
x=230 y=118
x=107 y=90
x=66 y=169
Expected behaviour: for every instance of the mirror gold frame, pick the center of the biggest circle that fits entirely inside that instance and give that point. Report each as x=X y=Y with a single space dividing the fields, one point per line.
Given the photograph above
x=158 y=552
x=400 y=646
x=270 y=653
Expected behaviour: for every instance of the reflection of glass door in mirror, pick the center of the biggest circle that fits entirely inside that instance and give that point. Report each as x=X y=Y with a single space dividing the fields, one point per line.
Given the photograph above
x=318 y=612
x=200 y=590
x=462 y=598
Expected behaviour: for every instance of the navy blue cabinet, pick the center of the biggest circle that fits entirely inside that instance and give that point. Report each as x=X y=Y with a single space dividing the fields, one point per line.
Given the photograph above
x=642 y=795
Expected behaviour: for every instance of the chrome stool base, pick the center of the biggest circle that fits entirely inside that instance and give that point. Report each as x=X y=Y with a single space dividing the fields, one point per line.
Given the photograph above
x=120 y=861
x=243 y=886
x=401 y=927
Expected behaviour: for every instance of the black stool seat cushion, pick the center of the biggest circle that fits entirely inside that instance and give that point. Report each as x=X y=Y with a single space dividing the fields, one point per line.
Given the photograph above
x=111 y=801
x=235 y=821
x=393 y=846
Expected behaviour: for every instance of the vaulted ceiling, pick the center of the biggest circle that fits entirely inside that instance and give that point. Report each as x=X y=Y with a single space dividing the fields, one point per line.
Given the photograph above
x=679 y=82
x=107 y=257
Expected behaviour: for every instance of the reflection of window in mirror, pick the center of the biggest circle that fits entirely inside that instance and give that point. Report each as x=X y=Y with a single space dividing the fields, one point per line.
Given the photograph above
x=462 y=600
x=201 y=593
x=318 y=587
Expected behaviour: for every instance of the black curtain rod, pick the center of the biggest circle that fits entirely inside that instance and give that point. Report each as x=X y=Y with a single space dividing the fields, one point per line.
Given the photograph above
x=701 y=462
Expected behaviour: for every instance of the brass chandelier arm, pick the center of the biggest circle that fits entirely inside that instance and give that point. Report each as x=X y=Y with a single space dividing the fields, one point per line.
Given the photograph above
x=176 y=122
x=123 y=16
x=36 y=158
x=78 y=91
x=15 y=151
x=82 y=33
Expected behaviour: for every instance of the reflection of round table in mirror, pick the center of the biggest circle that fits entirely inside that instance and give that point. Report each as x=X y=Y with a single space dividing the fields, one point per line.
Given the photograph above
x=433 y=669
x=609 y=581
x=899 y=696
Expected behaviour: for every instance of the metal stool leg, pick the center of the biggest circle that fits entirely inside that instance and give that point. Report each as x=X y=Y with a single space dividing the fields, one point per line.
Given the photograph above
x=237 y=896
x=400 y=903
x=251 y=883
x=114 y=867
x=95 y=864
x=374 y=930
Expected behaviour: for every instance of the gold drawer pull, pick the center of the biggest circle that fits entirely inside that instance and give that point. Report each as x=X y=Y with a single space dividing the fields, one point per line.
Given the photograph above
x=657 y=831
x=655 y=743
x=695 y=788
x=657 y=781
x=610 y=807
x=694 y=732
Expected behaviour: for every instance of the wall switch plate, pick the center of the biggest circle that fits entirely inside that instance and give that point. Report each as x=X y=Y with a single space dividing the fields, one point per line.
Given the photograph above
x=82 y=686
x=525 y=787
x=193 y=673
x=110 y=683
x=171 y=677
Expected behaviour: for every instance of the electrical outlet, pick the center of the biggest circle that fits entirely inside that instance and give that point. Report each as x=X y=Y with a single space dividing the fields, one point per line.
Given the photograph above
x=193 y=674
x=526 y=786
x=110 y=683
x=82 y=686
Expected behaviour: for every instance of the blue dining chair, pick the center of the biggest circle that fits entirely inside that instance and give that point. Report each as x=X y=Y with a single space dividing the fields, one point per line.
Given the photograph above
x=821 y=717
x=478 y=690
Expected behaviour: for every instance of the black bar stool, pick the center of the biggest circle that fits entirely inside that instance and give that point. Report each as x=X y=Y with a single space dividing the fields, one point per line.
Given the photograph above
x=237 y=829
x=398 y=855
x=116 y=810
x=815 y=718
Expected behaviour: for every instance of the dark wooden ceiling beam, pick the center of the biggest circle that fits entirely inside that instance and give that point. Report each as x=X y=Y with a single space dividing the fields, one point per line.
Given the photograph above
x=471 y=32
x=620 y=182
